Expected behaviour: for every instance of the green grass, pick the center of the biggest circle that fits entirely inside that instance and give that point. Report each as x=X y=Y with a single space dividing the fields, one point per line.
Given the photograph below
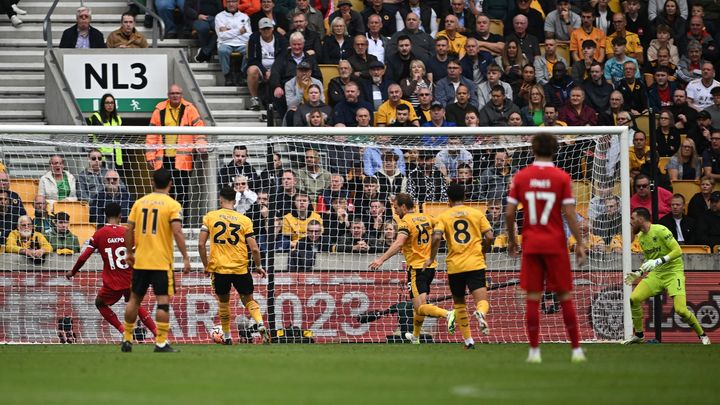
x=355 y=374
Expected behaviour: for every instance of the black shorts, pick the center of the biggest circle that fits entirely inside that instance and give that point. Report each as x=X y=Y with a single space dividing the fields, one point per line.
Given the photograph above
x=162 y=282
x=419 y=281
x=473 y=280
x=222 y=283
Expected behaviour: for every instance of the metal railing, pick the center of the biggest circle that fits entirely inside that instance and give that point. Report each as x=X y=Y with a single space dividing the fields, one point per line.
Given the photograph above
x=158 y=29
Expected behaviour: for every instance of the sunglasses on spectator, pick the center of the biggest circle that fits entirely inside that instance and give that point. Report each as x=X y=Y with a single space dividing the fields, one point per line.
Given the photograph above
x=642 y=185
x=112 y=179
x=95 y=158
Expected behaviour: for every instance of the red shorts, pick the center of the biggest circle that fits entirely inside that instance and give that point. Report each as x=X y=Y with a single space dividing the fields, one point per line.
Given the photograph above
x=110 y=296
x=543 y=272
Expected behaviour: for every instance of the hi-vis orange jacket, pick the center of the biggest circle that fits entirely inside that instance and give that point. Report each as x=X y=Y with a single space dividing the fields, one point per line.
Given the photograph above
x=188 y=117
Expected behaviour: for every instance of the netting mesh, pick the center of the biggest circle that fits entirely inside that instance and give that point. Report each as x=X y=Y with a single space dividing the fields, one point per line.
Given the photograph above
x=322 y=212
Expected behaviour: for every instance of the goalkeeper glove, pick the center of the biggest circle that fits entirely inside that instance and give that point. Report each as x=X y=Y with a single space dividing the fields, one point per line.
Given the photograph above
x=632 y=276
x=652 y=263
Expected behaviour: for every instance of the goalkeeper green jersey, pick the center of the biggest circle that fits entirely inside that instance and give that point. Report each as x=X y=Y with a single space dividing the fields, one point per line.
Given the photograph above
x=658 y=242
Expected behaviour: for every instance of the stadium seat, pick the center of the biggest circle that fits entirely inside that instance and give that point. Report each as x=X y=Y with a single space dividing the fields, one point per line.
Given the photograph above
x=79 y=211
x=649 y=79
x=716 y=249
x=581 y=190
x=643 y=124
x=436 y=208
x=662 y=163
x=695 y=249
x=688 y=188
x=561 y=49
x=357 y=5
x=329 y=72
x=26 y=189
x=82 y=231
x=497 y=27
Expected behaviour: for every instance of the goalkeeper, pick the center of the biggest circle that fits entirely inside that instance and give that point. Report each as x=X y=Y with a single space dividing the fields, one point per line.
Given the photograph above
x=665 y=271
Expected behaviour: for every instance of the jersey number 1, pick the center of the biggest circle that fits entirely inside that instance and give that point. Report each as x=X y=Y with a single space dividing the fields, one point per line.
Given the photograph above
x=532 y=198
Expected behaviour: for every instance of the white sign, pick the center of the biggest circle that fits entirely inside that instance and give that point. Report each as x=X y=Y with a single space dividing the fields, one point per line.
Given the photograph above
x=126 y=76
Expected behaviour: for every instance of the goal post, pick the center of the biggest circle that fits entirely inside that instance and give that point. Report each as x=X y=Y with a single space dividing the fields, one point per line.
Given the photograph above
x=317 y=290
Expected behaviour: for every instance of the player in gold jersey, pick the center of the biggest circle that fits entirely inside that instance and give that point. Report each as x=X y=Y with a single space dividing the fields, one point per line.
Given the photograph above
x=413 y=238
x=230 y=234
x=153 y=223
x=463 y=228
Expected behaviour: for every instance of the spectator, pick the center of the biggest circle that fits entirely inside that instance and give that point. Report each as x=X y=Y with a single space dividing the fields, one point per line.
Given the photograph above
x=338 y=45
x=386 y=112
x=43 y=221
x=561 y=22
x=682 y=226
x=233 y=33
x=342 y=158
x=699 y=91
x=390 y=179
x=58 y=184
x=496 y=216
x=270 y=178
x=698 y=32
x=402 y=116
x=175 y=112
x=608 y=223
x=597 y=89
x=445 y=89
x=263 y=221
x=576 y=112
x=14 y=200
x=690 y=66
x=376 y=7
x=313 y=18
x=425 y=182
x=302 y=258
x=370 y=192
x=9 y=215
x=475 y=62
x=337 y=219
x=487 y=41
x=126 y=36
x=495 y=180
x=455 y=112
x=714 y=109
x=297 y=90
x=437 y=117
x=656 y=6
x=511 y=62
x=375 y=89
x=667 y=137
x=700 y=202
x=685 y=164
x=399 y=63
x=313 y=178
x=12 y=11
x=557 y=90
x=114 y=192
x=294 y=225
x=238 y=166
x=344 y=113
x=533 y=113
x=615 y=65
x=61 y=239
x=201 y=15
x=593 y=242
x=686 y=118
x=313 y=103
x=708 y=228
x=355 y=24
x=336 y=86
x=377 y=43
x=335 y=190
x=82 y=35
x=456 y=40
x=642 y=197
x=282 y=198
x=438 y=63
x=421 y=38
x=633 y=90
x=285 y=69
x=277 y=18
x=544 y=64
x=711 y=156
x=610 y=116
x=464 y=15
x=603 y=15
x=484 y=91
x=465 y=178
x=313 y=43
x=378 y=215
x=637 y=21
x=587 y=32
x=27 y=242
x=550 y=117
x=91 y=181
x=528 y=42
x=632 y=42
x=264 y=47
x=357 y=241
x=425 y=97
x=360 y=60
x=660 y=94
x=663 y=39
x=244 y=197
x=498 y=110
x=449 y=160
x=166 y=10
x=413 y=84
x=638 y=152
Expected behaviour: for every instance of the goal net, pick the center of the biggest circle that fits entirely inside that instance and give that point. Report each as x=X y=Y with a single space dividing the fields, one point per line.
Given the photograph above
x=321 y=206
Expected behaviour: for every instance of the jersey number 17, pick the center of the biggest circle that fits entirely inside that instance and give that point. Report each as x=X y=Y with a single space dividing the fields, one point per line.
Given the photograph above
x=532 y=198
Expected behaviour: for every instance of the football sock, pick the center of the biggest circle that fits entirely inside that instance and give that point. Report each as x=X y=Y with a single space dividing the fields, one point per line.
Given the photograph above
x=432 y=310
x=483 y=307
x=147 y=320
x=641 y=293
x=128 y=331
x=680 y=305
x=111 y=317
x=254 y=310
x=161 y=338
x=571 y=325
x=461 y=319
x=417 y=323
x=224 y=313
x=532 y=321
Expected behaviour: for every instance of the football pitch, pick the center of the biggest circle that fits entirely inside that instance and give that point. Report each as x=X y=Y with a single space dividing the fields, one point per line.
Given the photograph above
x=358 y=374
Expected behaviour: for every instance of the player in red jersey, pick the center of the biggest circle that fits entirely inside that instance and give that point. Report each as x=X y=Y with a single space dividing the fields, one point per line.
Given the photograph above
x=545 y=192
x=117 y=273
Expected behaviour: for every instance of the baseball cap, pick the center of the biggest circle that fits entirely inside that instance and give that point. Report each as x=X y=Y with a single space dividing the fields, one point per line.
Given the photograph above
x=344 y=3
x=715 y=196
x=265 y=23
x=304 y=65
x=376 y=64
x=703 y=115
x=437 y=104
x=62 y=216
